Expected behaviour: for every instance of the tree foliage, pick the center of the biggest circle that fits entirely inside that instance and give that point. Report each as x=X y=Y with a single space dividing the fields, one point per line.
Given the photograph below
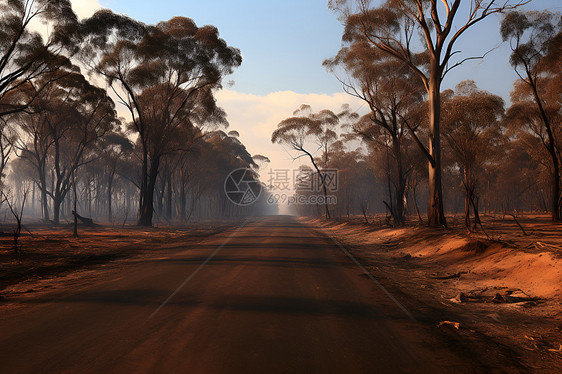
x=165 y=76
x=536 y=43
x=472 y=121
x=25 y=54
x=393 y=28
x=61 y=131
x=388 y=86
x=306 y=126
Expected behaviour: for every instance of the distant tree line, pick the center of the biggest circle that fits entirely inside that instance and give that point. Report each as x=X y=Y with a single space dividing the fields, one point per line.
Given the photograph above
x=61 y=82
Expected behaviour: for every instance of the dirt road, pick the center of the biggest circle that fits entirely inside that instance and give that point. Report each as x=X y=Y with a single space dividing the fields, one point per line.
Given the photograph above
x=273 y=296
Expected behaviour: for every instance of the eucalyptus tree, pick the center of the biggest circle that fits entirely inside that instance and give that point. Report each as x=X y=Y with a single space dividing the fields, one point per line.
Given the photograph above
x=536 y=42
x=394 y=95
x=34 y=148
x=393 y=27
x=114 y=147
x=221 y=155
x=61 y=131
x=357 y=186
x=306 y=126
x=25 y=54
x=165 y=75
x=472 y=128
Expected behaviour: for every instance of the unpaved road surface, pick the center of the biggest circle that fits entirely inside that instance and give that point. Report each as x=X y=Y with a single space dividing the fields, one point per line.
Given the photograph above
x=273 y=296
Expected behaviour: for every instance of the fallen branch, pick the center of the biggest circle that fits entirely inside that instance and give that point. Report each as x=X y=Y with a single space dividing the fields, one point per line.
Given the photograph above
x=521 y=227
x=450 y=276
x=365 y=209
x=546 y=246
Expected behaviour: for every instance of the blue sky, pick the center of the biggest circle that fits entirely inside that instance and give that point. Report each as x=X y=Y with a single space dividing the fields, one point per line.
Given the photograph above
x=283 y=42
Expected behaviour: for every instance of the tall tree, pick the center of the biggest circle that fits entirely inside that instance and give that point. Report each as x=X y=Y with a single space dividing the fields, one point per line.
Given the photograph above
x=220 y=155
x=165 y=75
x=114 y=147
x=389 y=87
x=471 y=125
x=356 y=182
x=536 y=43
x=392 y=28
x=305 y=126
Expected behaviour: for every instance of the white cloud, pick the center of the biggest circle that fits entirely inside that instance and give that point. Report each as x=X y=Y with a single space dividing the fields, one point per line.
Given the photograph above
x=256 y=117
x=85 y=8
x=82 y=8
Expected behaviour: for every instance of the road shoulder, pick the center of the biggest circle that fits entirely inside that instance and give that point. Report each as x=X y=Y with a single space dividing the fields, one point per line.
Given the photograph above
x=523 y=336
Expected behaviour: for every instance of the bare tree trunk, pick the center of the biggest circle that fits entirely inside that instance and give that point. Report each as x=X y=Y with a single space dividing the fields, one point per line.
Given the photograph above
x=467 y=199
x=555 y=203
x=57 y=201
x=147 y=207
x=75 y=206
x=416 y=204
x=467 y=210
x=398 y=214
x=390 y=204
x=160 y=196
x=89 y=196
x=169 y=198
x=435 y=212
x=43 y=187
x=323 y=181
x=143 y=219
x=182 y=200
x=109 y=199
x=551 y=148
x=475 y=200
x=45 y=204
x=33 y=211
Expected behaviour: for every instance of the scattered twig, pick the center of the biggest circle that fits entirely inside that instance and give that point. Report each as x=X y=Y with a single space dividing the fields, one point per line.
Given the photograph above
x=545 y=245
x=456 y=325
x=559 y=350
